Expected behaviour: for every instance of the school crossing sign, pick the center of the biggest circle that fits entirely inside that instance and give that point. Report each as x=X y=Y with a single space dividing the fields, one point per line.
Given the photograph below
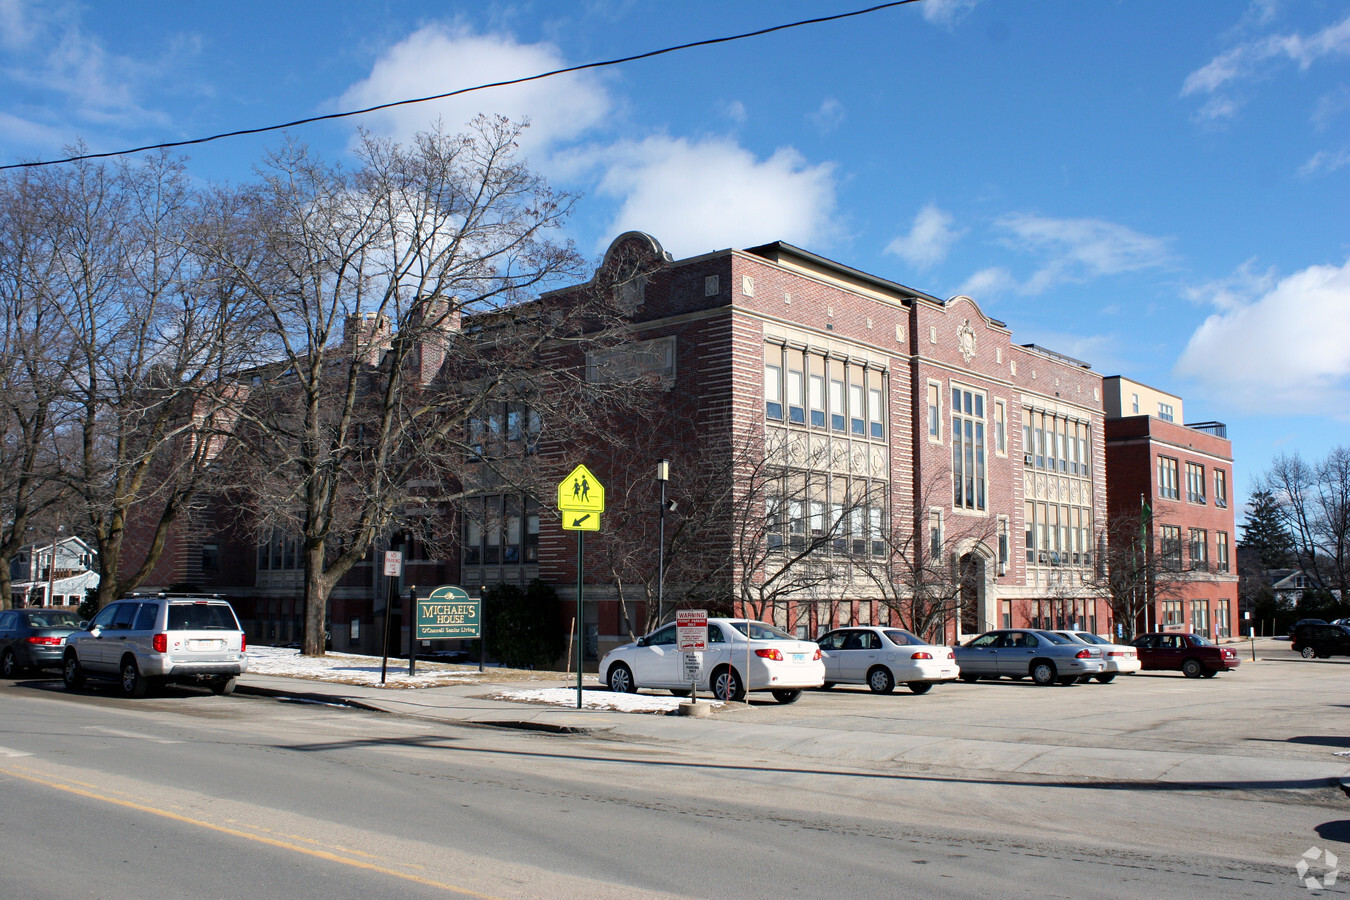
x=581 y=499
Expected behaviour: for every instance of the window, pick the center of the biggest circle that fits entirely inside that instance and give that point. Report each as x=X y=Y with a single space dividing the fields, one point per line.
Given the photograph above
x=935 y=534
x=1199 y=549
x=1221 y=551
x=1221 y=488
x=473 y=541
x=1135 y=398
x=773 y=391
x=1000 y=428
x=1167 y=478
x=856 y=409
x=532 y=532
x=1221 y=624
x=1195 y=482
x=837 y=397
x=934 y=411
x=968 y=461
x=796 y=411
x=210 y=557
x=773 y=522
x=1171 y=612
x=816 y=400
x=1169 y=547
x=874 y=413
x=1200 y=617
x=1165 y=412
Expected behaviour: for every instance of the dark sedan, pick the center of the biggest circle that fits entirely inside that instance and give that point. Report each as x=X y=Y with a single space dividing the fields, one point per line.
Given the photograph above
x=34 y=638
x=1179 y=651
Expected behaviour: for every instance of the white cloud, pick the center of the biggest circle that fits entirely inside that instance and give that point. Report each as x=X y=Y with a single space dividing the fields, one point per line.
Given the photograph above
x=1326 y=161
x=829 y=116
x=1253 y=58
x=1287 y=351
x=988 y=283
x=1241 y=288
x=929 y=239
x=735 y=111
x=437 y=59
x=1079 y=250
x=696 y=196
x=946 y=12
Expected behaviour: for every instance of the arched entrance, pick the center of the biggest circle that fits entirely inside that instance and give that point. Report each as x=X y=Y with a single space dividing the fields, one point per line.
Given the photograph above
x=976 y=592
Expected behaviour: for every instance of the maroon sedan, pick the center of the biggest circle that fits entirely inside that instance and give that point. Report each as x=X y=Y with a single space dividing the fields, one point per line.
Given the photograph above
x=1190 y=653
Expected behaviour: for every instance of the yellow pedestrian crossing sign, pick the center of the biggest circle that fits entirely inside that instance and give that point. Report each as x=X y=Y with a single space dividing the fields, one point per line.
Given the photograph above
x=581 y=499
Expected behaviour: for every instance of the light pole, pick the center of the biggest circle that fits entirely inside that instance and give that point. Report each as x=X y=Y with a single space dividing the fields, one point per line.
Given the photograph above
x=51 y=566
x=662 y=476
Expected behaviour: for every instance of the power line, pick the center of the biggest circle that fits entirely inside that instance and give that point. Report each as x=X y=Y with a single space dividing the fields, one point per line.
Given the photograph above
x=481 y=87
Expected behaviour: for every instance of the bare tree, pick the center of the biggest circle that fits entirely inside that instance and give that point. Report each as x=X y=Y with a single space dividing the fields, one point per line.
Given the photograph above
x=1314 y=502
x=398 y=299
x=148 y=336
x=1139 y=566
x=926 y=567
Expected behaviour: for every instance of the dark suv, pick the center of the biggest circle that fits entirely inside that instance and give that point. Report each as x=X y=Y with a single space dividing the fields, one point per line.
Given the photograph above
x=142 y=641
x=1321 y=641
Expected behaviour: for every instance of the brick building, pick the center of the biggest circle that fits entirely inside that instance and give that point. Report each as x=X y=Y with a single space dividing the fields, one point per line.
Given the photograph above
x=1175 y=480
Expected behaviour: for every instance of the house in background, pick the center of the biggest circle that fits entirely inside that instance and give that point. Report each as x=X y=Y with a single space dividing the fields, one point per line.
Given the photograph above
x=1175 y=480
x=34 y=581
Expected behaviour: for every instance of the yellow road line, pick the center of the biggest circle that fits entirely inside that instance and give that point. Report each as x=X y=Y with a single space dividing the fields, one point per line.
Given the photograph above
x=235 y=832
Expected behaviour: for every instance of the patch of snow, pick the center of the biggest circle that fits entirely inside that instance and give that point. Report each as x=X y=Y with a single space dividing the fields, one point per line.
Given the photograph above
x=350 y=668
x=597 y=699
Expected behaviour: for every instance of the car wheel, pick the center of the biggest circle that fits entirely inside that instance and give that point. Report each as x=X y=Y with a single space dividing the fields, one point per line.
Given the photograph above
x=133 y=683
x=621 y=679
x=1308 y=652
x=9 y=666
x=880 y=680
x=223 y=685
x=680 y=692
x=72 y=673
x=970 y=679
x=1043 y=672
x=1210 y=673
x=726 y=685
x=1106 y=678
x=786 y=696
x=920 y=687
x=1068 y=680
x=1192 y=668
x=827 y=685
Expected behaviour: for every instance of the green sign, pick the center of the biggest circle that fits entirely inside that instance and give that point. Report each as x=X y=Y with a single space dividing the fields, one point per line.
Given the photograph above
x=449 y=612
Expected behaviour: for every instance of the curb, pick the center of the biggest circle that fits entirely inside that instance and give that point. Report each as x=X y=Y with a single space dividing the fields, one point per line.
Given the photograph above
x=305 y=697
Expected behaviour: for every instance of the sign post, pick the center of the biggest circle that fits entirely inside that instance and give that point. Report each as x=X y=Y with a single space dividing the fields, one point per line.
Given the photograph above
x=393 y=567
x=691 y=636
x=581 y=500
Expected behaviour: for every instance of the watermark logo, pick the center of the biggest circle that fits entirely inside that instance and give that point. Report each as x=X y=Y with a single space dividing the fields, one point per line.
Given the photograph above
x=1318 y=860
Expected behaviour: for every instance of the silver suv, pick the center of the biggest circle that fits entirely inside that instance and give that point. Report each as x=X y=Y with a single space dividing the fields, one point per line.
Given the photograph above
x=141 y=641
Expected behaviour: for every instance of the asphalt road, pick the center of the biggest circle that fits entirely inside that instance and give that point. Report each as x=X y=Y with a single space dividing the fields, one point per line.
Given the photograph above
x=189 y=795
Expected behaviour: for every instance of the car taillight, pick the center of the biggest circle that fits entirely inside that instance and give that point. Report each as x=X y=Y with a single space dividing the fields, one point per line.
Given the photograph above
x=243 y=645
x=774 y=654
x=922 y=654
x=1116 y=653
x=160 y=643
x=34 y=639
x=1083 y=654
x=817 y=656
x=951 y=654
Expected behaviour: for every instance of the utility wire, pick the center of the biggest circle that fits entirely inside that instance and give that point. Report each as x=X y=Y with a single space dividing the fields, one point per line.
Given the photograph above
x=480 y=87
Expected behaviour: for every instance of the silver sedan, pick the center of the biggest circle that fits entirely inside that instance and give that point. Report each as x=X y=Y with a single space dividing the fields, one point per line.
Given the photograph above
x=1018 y=653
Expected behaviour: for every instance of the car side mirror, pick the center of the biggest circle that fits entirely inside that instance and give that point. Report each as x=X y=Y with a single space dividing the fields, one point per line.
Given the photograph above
x=642 y=642
x=96 y=631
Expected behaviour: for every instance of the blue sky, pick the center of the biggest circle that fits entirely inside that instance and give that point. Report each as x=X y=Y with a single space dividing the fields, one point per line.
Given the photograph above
x=1161 y=189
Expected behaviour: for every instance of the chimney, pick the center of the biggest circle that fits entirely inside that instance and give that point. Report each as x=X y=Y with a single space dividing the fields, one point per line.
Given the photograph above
x=367 y=336
x=436 y=321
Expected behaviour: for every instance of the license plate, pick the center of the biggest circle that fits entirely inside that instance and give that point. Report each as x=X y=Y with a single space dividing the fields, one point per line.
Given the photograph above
x=205 y=645
x=799 y=657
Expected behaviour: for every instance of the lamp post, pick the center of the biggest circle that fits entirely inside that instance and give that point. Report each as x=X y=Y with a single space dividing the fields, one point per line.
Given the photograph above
x=51 y=566
x=662 y=476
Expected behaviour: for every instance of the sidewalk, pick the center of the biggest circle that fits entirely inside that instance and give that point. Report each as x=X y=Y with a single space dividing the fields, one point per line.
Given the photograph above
x=737 y=728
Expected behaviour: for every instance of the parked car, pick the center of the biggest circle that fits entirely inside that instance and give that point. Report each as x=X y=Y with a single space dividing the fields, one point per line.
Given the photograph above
x=34 y=638
x=881 y=658
x=1322 y=641
x=741 y=655
x=1119 y=659
x=144 y=641
x=1303 y=623
x=1192 y=654
x=1017 y=653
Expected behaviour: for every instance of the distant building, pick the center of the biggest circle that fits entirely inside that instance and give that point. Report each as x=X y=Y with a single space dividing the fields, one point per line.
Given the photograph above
x=1176 y=479
x=34 y=581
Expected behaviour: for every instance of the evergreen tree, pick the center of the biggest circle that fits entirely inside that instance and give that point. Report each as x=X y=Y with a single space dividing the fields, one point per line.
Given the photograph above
x=1264 y=531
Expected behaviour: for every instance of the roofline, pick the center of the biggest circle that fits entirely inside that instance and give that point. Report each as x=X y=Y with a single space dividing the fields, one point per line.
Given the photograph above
x=907 y=292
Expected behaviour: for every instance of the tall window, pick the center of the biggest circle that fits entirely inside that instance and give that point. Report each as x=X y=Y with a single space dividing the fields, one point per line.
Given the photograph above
x=874 y=416
x=1221 y=624
x=1000 y=427
x=1195 y=482
x=816 y=400
x=795 y=385
x=1200 y=617
x=856 y=409
x=968 y=464
x=1167 y=478
x=836 y=396
x=773 y=391
x=1171 y=612
x=935 y=534
x=934 y=411
x=1221 y=488
x=1199 y=549
x=1221 y=551
x=1169 y=547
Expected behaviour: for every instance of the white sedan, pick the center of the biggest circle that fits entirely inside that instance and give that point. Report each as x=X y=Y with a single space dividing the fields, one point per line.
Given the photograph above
x=883 y=657
x=740 y=652
x=1120 y=659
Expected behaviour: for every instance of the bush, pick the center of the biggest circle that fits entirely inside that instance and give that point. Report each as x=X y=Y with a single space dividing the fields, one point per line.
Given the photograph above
x=522 y=627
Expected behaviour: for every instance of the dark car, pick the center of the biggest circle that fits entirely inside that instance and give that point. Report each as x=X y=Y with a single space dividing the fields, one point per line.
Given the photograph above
x=1322 y=641
x=1193 y=654
x=34 y=638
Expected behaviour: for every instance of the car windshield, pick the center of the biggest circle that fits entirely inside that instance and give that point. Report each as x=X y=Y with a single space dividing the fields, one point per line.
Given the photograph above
x=201 y=617
x=762 y=632
x=1056 y=638
x=54 y=619
x=1090 y=637
x=902 y=637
